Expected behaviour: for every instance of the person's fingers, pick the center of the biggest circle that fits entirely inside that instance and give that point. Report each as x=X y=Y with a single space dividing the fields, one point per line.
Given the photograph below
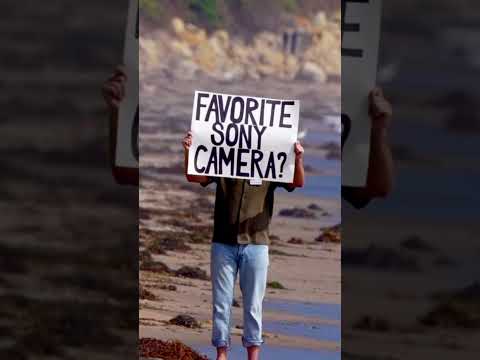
x=117 y=78
x=298 y=148
x=383 y=110
x=376 y=92
x=119 y=89
x=116 y=91
x=110 y=92
x=378 y=103
x=187 y=143
x=188 y=138
x=120 y=72
x=112 y=95
x=384 y=106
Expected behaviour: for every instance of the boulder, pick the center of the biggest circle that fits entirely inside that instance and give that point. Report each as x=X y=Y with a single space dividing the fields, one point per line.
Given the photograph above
x=312 y=72
x=205 y=57
x=298 y=213
x=149 y=53
x=178 y=26
x=271 y=57
x=192 y=272
x=296 y=241
x=268 y=54
x=266 y=39
x=222 y=38
x=266 y=70
x=253 y=73
x=185 y=321
x=320 y=20
x=181 y=48
x=184 y=70
x=240 y=53
x=291 y=67
x=331 y=236
x=337 y=16
x=193 y=35
x=231 y=72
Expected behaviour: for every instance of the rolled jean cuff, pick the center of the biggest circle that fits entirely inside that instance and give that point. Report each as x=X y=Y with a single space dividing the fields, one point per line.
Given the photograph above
x=221 y=343
x=250 y=342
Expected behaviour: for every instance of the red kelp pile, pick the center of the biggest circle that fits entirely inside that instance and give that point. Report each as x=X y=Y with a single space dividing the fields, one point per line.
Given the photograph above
x=167 y=350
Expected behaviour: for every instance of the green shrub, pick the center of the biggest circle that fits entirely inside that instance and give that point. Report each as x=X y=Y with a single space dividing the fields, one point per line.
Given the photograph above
x=206 y=8
x=290 y=5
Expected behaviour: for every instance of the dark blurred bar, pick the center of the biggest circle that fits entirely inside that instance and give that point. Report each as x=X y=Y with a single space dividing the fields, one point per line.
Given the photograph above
x=410 y=261
x=69 y=233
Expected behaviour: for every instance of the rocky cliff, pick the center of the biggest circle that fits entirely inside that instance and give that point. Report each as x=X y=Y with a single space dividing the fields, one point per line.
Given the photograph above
x=302 y=48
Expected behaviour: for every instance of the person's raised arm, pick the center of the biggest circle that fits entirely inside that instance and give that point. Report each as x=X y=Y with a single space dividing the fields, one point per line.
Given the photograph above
x=113 y=92
x=201 y=179
x=299 y=174
x=380 y=165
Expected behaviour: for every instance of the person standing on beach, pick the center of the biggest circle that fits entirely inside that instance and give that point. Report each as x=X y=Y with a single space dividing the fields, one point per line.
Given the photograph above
x=240 y=247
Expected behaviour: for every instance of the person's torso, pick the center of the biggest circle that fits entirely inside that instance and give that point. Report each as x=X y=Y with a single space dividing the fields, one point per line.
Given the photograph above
x=242 y=212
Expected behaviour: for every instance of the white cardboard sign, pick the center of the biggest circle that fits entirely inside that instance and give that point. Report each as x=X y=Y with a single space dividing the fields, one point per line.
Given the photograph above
x=243 y=137
x=126 y=152
x=360 y=41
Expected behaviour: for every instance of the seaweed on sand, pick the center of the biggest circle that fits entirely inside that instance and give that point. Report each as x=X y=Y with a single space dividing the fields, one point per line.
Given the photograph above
x=167 y=350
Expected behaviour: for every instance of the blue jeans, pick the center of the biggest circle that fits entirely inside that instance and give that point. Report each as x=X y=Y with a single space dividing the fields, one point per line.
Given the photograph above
x=251 y=263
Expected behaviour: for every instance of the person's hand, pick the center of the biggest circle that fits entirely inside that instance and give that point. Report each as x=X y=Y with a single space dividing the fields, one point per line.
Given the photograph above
x=187 y=141
x=298 y=150
x=114 y=88
x=380 y=110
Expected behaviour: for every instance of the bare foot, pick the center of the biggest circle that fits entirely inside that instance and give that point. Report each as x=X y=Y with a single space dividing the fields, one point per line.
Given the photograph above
x=222 y=353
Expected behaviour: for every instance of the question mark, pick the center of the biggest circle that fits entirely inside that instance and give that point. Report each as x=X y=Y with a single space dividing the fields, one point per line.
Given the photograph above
x=284 y=156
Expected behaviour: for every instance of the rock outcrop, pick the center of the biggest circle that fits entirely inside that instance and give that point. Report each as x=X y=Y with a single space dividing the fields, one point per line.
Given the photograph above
x=308 y=50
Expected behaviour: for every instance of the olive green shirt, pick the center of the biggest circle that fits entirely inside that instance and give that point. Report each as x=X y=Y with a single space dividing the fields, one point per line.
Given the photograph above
x=242 y=211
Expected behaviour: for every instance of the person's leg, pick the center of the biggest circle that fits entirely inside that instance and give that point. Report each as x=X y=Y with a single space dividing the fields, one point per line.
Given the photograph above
x=224 y=270
x=253 y=352
x=253 y=281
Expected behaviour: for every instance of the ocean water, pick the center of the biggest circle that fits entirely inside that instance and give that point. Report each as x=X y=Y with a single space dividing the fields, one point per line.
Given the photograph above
x=424 y=190
x=323 y=311
x=325 y=332
x=325 y=186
